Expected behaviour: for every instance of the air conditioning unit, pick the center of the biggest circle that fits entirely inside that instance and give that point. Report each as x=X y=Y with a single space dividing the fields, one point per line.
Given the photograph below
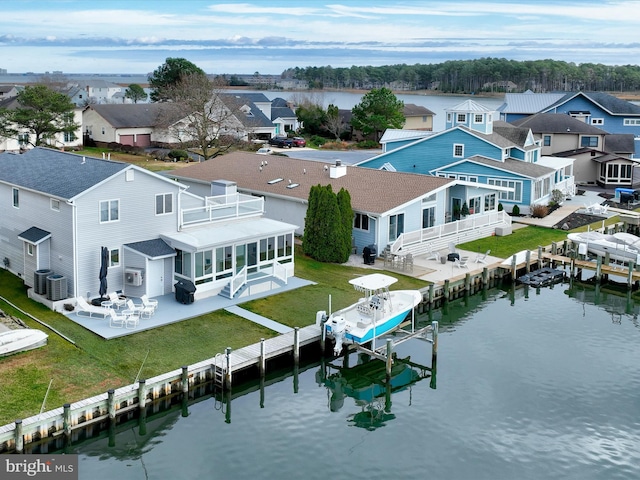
x=56 y=287
x=133 y=276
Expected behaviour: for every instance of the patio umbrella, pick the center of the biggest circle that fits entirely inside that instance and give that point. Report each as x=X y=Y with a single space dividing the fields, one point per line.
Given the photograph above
x=104 y=259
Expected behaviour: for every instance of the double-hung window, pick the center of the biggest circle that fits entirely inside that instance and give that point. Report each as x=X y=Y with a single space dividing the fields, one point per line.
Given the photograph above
x=164 y=203
x=16 y=198
x=458 y=150
x=109 y=211
x=361 y=222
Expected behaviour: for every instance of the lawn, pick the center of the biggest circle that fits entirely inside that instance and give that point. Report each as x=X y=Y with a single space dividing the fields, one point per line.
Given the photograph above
x=95 y=365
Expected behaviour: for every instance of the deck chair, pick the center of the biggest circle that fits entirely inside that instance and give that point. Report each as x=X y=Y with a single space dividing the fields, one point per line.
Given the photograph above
x=148 y=302
x=84 y=308
x=482 y=258
x=116 y=320
x=433 y=254
x=462 y=262
x=140 y=309
x=117 y=301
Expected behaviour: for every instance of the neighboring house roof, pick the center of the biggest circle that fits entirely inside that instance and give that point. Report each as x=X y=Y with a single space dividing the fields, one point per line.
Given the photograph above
x=413 y=110
x=609 y=103
x=528 y=102
x=526 y=169
x=59 y=174
x=136 y=115
x=153 y=249
x=514 y=138
x=620 y=143
x=364 y=185
x=396 y=135
x=469 y=106
x=254 y=117
x=557 y=123
x=252 y=97
x=282 y=112
x=518 y=136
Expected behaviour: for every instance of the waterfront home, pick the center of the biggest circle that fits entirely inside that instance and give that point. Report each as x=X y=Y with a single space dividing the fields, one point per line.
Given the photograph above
x=600 y=157
x=60 y=209
x=387 y=205
x=476 y=149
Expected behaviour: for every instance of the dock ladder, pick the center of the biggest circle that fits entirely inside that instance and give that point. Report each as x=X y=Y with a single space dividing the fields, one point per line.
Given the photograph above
x=218 y=380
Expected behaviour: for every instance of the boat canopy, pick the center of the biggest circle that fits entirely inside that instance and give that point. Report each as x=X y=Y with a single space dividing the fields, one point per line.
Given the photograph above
x=373 y=282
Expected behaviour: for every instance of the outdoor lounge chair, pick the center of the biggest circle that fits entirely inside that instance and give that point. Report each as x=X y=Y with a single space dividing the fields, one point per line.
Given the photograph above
x=84 y=308
x=116 y=320
x=433 y=254
x=483 y=258
x=462 y=262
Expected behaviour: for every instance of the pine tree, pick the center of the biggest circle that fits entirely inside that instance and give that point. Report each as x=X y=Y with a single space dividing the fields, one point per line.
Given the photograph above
x=346 y=216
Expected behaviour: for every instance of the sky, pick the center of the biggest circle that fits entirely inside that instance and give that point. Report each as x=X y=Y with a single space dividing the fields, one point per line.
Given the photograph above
x=136 y=36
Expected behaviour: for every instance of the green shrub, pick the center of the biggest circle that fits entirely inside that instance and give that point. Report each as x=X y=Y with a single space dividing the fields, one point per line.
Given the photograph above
x=515 y=210
x=178 y=155
x=500 y=207
x=368 y=144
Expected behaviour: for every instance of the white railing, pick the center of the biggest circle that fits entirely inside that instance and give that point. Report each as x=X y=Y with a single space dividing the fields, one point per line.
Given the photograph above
x=222 y=207
x=238 y=281
x=280 y=271
x=472 y=222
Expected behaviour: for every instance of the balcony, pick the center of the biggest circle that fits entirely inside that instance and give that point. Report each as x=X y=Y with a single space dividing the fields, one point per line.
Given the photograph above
x=221 y=208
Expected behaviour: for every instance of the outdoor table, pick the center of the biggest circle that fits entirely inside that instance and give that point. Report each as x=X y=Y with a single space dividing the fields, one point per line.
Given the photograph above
x=108 y=304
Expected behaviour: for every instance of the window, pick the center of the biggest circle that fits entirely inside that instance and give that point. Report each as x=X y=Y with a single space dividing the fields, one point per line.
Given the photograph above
x=69 y=137
x=182 y=263
x=490 y=202
x=424 y=119
x=589 y=141
x=448 y=117
x=30 y=249
x=478 y=118
x=631 y=122
x=461 y=118
x=109 y=211
x=547 y=140
x=597 y=121
x=114 y=257
x=102 y=130
x=396 y=226
x=458 y=150
x=515 y=195
x=16 y=198
x=23 y=138
x=361 y=222
x=224 y=262
x=428 y=217
x=164 y=203
x=474 y=205
x=55 y=204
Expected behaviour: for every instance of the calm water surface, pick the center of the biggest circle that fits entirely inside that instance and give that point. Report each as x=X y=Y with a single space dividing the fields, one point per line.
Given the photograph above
x=532 y=386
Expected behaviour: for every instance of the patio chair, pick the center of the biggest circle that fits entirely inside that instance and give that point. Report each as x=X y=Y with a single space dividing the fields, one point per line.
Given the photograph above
x=141 y=310
x=483 y=258
x=132 y=320
x=452 y=247
x=116 y=320
x=84 y=308
x=462 y=262
x=408 y=262
x=433 y=254
x=116 y=300
x=148 y=302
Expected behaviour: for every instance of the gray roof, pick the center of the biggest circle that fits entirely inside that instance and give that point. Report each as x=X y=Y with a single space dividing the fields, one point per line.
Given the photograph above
x=134 y=115
x=257 y=118
x=253 y=97
x=557 y=123
x=528 y=102
x=611 y=104
x=154 y=249
x=59 y=174
x=527 y=169
x=503 y=136
x=34 y=235
x=282 y=112
x=413 y=110
x=619 y=143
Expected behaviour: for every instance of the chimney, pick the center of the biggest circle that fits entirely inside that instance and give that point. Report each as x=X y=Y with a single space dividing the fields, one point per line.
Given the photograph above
x=338 y=170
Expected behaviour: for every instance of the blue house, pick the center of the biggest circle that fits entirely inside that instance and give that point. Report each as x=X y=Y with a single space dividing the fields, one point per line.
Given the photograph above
x=483 y=153
x=598 y=109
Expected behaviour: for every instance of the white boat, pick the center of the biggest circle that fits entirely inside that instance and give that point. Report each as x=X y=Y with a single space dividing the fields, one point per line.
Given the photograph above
x=20 y=340
x=623 y=247
x=380 y=311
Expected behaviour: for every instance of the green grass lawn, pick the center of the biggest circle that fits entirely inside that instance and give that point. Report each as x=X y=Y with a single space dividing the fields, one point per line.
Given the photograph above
x=95 y=365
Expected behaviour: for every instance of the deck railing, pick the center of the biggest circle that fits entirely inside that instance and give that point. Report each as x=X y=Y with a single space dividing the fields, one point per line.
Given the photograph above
x=222 y=207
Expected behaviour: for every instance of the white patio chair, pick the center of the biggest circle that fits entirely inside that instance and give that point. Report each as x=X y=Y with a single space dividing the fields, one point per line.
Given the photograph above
x=116 y=300
x=149 y=302
x=462 y=262
x=84 y=308
x=132 y=320
x=482 y=258
x=141 y=310
x=116 y=320
x=433 y=254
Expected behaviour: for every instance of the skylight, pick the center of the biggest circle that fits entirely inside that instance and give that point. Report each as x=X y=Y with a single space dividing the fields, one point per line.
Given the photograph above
x=275 y=180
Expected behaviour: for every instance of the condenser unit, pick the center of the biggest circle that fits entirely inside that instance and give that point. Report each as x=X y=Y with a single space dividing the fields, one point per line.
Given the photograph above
x=133 y=276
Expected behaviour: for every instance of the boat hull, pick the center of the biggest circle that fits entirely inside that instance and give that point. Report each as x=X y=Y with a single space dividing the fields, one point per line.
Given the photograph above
x=600 y=244
x=16 y=341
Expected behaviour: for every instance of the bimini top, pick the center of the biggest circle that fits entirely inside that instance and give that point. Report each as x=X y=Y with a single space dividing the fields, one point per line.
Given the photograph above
x=375 y=281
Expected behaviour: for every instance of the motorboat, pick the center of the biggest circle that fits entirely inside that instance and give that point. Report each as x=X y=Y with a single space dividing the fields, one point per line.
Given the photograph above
x=379 y=312
x=623 y=247
x=21 y=340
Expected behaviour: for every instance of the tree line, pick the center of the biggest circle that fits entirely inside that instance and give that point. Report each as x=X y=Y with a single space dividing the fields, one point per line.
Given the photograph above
x=479 y=75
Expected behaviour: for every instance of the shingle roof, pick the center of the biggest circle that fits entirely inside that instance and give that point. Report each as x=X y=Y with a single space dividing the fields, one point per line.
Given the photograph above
x=134 y=115
x=155 y=248
x=256 y=118
x=519 y=167
x=59 y=174
x=557 y=123
x=34 y=235
x=619 y=143
x=371 y=190
x=413 y=110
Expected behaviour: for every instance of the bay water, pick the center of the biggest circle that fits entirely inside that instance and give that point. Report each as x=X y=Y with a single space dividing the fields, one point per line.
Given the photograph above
x=530 y=384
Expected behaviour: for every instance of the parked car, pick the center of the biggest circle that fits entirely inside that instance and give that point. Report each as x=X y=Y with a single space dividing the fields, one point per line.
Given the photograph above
x=264 y=151
x=282 y=142
x=299 y=142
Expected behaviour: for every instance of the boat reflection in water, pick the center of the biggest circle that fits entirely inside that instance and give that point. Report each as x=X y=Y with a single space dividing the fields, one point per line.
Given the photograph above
x=367 y=384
